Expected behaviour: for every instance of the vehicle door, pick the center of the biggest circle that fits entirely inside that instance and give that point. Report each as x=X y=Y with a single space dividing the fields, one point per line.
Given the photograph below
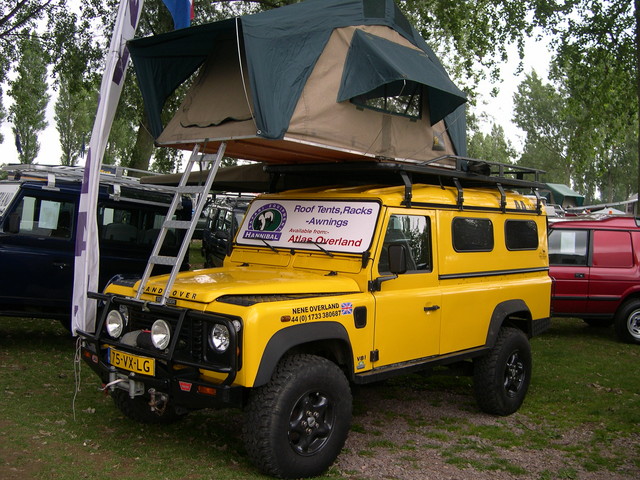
x=128 y=232
x=37 y=251
x=407 y=321
x=569 y=261
x=613 y=270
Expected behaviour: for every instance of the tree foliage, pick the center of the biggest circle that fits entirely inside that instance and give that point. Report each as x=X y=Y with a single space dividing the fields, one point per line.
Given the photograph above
x=29 y=91
x=493 y=147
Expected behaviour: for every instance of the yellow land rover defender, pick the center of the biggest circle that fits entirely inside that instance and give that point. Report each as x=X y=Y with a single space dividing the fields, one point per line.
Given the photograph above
x=371 y=270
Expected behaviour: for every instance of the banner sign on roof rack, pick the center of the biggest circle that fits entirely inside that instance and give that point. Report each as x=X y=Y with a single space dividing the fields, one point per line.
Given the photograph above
x=336 y=226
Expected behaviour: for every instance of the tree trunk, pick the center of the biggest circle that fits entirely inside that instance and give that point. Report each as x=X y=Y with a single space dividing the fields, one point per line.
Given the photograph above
x=143 y=149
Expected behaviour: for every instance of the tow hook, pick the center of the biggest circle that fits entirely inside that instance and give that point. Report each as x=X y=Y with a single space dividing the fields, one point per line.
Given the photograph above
x=158 y=401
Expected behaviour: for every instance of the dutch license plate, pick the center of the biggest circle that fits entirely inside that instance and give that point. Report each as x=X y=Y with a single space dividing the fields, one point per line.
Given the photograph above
x=133 y=363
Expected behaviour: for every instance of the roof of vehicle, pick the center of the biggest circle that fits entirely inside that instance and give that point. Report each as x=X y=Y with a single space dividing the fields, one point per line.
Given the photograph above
x=114 y=182
x=613 y=222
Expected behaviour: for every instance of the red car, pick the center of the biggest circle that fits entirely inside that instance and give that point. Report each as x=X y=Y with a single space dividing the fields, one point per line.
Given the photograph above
x=595 y=266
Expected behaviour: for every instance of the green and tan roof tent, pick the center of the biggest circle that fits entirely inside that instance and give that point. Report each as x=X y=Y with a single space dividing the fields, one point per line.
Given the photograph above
x=317 y=81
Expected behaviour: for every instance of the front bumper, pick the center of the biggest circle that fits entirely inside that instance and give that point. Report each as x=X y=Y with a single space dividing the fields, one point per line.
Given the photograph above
x=177 y=371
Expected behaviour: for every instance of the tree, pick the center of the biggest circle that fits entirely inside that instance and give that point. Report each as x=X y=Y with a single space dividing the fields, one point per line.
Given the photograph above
x=74 y=110
x=16 y=17
x=598 y=59
x=29 y=90
x=493 y=147
x=540 y=111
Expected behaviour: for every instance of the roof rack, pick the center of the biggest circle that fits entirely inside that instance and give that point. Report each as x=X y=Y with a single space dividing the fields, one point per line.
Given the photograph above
x=449 y=170
x=118 y=177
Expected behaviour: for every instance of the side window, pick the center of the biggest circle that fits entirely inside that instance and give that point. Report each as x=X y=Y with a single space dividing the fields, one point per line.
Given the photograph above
x=223 y=224
x=414 y=233
x=40 y=217
x=472 y=234
x=521 y=234
x=568 y=247
x=612 y=249
x=132 y=226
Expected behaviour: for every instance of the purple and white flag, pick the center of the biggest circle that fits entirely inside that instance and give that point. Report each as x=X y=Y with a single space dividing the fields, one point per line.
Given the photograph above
x=87 y=252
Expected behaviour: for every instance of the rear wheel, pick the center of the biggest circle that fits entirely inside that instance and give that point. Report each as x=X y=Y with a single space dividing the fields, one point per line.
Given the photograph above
x=627 y=322
x=501 y=378
x=296 y=425
x=138 y=409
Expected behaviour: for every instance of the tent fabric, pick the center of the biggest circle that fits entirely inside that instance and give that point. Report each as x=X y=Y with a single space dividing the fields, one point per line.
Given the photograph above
x=373 y=62
x=279 y=50
x=319 y=117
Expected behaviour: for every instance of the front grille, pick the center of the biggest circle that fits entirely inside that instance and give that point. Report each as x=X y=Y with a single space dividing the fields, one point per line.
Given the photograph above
x=190 y=347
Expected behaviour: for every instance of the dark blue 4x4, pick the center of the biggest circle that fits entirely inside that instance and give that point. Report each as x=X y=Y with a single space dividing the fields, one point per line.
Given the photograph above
x=37 y=236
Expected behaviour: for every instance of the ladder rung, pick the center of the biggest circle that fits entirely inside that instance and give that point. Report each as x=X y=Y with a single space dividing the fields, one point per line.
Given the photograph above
x=162 y=260
x=205 y=158
x=183 y=224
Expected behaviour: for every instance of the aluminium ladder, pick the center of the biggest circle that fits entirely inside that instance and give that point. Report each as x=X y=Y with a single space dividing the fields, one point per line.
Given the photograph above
x=189 y=226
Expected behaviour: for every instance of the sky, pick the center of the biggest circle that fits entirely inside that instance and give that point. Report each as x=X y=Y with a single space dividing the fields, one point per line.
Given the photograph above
x=498 y=110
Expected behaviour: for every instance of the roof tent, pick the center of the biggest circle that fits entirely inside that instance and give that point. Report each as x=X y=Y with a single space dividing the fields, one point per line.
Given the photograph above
x=317 y=81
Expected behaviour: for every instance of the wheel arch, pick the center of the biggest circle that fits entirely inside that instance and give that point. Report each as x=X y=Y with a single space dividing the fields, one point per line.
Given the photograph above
x=514 y=313
x=325 y=339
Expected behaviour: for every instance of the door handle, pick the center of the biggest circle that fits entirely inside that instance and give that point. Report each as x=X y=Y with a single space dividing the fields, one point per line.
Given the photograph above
x=432 y=308
x=579 y=275
x=61 y=265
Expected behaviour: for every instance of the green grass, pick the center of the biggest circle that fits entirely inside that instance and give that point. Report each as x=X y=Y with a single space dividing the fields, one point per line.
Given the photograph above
x=583 y=403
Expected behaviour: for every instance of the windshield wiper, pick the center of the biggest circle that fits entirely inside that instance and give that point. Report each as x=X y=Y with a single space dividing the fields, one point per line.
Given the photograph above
x=269 y=245
x=319 y=245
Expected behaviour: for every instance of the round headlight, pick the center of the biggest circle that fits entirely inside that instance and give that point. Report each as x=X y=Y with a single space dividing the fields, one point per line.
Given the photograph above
x=220 y=337
x=115 y=323
x=160 y=334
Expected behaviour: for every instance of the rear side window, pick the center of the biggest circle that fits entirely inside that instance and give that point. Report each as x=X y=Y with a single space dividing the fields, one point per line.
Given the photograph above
x=472 y=234
x=568 y=247
x=612 y=249
x=521 y=234
x=132 y=226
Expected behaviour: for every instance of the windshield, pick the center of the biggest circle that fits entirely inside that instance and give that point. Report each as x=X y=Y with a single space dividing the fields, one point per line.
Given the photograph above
x=7 y=191
x=337 y=226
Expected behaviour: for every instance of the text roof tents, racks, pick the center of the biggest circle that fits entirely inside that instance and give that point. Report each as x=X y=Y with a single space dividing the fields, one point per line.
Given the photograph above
x=117 y=178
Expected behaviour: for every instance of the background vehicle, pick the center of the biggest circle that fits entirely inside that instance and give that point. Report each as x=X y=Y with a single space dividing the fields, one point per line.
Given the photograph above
x=38 y=234
x=224 y=216
x=595 y=266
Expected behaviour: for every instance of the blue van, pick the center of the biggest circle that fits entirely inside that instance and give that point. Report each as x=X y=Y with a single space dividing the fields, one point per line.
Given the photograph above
x=37 y=235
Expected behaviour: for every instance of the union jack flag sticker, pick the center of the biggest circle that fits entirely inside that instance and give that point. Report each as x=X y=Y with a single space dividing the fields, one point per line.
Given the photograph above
x=347 y=308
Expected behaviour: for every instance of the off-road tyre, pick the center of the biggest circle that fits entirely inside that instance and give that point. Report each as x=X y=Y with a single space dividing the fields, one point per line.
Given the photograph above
x=501 y=378
x=296 y=425
x=627 y=322
x=138 y=409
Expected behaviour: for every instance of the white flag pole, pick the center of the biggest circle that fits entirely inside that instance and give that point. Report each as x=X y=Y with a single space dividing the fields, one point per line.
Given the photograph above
x=87 y=252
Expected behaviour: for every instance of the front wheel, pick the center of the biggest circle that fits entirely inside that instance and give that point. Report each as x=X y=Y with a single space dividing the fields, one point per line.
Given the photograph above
x=296 y=425
x=501 y=378
x=627 y=322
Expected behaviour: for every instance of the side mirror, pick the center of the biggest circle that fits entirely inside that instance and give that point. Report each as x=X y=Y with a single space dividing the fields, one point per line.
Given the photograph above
x=397 y=258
